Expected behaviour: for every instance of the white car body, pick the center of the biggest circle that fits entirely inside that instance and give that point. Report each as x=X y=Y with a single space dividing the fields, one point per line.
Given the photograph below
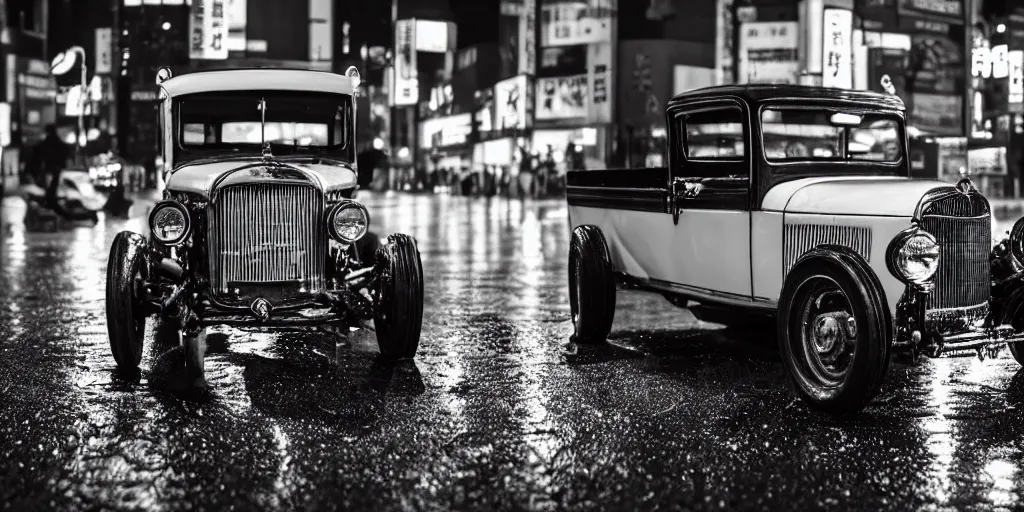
x=743 y=257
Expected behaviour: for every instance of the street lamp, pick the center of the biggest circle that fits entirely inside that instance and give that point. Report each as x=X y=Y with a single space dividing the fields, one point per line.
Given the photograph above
x=60 y=65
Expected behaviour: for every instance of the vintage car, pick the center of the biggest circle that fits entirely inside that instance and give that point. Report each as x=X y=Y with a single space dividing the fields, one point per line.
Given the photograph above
x=820 y=234
x=258 y=226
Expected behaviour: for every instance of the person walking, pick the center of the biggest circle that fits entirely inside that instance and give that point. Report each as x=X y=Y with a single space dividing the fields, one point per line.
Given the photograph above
x=49 y=158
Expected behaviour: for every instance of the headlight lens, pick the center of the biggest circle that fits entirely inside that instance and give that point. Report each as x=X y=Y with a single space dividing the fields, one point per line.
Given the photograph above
x=169 y=222
x=914 y=256
x=1017 y=240
x=349 y=222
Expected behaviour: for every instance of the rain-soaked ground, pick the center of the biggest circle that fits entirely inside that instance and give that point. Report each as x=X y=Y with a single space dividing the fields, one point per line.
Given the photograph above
x=497 y=412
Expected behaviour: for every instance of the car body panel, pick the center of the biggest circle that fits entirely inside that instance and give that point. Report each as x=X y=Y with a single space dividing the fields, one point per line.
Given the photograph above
x=644 y=253
x=850 y=195
x=200 y=178
x=704 y=258
x=256 y=80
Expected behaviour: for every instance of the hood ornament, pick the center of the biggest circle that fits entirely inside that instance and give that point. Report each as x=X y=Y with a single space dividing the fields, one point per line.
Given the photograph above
x=887 y=85
x=267 y=155
x=965 y=185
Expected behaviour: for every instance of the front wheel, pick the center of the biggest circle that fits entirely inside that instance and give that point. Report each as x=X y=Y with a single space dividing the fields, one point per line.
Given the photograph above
x=399 y=312
x=126 y=312
x=832 y=334
x=1013 y=315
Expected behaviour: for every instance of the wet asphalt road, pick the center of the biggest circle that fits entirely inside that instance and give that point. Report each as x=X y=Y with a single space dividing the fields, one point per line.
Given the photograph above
x=497 y=412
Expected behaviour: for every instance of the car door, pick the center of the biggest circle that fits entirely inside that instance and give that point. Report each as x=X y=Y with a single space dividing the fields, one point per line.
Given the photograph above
x=710 y=196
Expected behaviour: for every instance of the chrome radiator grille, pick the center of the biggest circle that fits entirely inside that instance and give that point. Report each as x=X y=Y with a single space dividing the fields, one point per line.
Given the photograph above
x=962 y=227
x=267 y=233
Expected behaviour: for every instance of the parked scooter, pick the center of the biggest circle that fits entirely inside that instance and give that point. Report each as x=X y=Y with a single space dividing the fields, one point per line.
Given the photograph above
x=77 y=201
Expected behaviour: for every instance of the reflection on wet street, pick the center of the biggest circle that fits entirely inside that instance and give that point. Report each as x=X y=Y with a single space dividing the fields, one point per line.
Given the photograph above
x=497 y=412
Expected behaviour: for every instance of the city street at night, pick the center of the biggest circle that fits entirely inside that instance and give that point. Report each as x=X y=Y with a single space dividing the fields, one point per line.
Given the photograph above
x=497 y=411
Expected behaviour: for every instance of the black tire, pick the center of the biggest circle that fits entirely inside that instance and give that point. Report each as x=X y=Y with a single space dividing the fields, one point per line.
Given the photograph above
x=126 y=316
x=866 y=354
x=399 y=313
x=591 y=286
x=1013 y=315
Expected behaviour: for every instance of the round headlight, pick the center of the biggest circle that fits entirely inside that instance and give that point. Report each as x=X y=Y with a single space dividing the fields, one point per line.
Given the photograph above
x=913 y=256
x=348 y=222
x=169 y=222
x=1017 y=240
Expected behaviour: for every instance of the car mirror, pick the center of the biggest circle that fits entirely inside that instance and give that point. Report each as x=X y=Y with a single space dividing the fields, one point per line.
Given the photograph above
x=844 y=119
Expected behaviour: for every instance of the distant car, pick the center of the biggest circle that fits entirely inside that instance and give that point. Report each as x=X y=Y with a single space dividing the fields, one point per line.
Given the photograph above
x=258 y=226
x=794 y=205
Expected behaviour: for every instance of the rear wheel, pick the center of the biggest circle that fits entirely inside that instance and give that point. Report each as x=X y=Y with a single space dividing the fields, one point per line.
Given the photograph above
x=126 y=312
x=591 y=286
x=832 y=334
x=399 y=313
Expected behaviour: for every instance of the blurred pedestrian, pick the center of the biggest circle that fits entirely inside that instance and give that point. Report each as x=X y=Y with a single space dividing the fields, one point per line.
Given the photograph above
x=49 y=158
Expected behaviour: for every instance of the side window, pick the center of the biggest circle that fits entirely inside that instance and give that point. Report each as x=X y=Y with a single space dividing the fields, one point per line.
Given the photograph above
x=715 y=134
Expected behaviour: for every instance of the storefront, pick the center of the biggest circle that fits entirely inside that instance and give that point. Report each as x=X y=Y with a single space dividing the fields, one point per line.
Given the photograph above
x=562 y=107
x=504 y=118
x=575 y=85
x=445 y=143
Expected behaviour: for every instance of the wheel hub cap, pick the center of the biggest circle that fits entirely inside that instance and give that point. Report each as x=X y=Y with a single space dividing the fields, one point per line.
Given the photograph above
x=826 y=334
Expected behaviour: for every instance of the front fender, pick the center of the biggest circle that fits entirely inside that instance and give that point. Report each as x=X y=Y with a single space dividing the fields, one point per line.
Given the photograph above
x=856 y=266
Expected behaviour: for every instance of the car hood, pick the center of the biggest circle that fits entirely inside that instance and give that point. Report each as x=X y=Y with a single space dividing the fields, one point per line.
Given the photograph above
x=202 y=178
x=851 y=195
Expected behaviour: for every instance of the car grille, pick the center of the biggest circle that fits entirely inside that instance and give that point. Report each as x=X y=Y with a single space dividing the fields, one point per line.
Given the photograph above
x=962 y=226
x=264 y=234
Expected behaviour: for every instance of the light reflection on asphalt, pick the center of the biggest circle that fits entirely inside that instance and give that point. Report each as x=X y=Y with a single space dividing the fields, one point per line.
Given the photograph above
x=496 y=412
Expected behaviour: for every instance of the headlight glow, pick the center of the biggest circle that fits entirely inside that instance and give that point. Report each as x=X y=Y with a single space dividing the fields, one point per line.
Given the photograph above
x=913 y=256
x=1017 y=240
x=348 y=221
x=169 y=222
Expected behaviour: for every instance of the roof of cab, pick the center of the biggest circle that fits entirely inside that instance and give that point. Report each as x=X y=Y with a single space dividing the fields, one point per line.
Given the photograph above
x=273 y=79
x=757 y=93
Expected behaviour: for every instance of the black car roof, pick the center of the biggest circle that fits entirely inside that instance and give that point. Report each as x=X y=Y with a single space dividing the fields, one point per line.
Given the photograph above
x=757 y=93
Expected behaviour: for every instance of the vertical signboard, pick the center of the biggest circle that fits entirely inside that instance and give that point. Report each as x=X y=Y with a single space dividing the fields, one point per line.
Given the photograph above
x=406 y=88
x=599 y=59
x=510 y=102
x=209 y=30
x=723 y=42
x=768 y=52
x=321 y=27
x=1015 y=91
x=528 y=38
x=837 y=49
x=104 y=49
x=236 y=19
x=508 y=38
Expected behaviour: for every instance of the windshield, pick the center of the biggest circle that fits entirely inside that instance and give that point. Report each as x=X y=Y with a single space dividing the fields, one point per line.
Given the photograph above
x=827 y=135
x=297 y=123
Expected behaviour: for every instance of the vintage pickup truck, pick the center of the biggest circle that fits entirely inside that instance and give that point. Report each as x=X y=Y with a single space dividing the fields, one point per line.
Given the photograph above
x=795 y=204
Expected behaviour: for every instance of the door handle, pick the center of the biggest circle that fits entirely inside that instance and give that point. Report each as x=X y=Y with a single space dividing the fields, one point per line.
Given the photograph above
x=687 y=189
x=691 y=189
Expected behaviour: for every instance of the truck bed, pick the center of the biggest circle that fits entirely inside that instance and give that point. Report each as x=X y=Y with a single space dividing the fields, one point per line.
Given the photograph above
x=644 y=189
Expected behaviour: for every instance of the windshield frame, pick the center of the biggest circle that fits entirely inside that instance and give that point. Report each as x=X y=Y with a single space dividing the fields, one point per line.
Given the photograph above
x=185 y=154
x=851 y=167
